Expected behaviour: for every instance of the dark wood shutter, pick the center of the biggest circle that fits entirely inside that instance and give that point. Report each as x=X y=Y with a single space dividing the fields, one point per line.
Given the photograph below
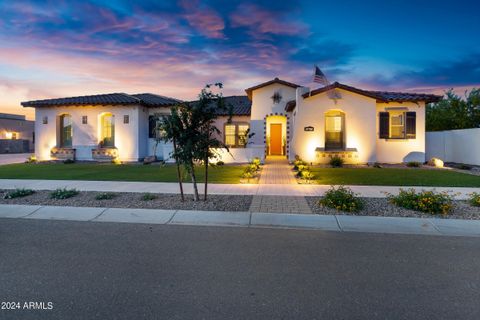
x=384 y=125
x=411 y=125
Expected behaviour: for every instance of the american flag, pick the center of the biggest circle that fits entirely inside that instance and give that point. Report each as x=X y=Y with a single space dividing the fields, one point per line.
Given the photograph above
x=319 y=77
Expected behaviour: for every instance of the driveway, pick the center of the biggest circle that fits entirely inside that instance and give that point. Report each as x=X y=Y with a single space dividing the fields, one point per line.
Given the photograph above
x=9 y=158
x=140 y=271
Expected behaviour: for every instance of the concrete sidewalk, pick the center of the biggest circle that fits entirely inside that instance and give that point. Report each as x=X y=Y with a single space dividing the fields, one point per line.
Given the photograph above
x=340 y=223
x=9 y=158
x=226 y=189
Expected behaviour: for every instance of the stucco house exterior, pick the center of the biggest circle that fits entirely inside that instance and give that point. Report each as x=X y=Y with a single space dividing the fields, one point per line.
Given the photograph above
x=286 y=119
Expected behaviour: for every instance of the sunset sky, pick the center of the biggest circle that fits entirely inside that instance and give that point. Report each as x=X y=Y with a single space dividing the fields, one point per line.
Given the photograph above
x=66 y=48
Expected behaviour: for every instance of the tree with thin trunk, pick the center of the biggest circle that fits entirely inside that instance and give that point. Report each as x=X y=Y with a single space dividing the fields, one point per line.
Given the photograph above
x=195 y=132
x=167 y=128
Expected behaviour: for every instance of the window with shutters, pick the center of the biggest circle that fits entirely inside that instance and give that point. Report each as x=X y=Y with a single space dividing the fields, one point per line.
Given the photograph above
x=235 y=134
x=397 y=125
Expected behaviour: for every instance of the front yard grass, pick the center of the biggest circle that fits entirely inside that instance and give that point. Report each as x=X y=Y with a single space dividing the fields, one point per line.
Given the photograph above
x=112 y=172
x=394 y=177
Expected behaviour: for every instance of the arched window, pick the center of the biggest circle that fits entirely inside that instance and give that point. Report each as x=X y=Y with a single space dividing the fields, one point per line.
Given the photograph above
x=65 y=131
x=107 y=130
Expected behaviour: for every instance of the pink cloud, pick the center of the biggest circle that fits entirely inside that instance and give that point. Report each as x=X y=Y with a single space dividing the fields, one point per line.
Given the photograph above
x=263 y=22
x=204 y=19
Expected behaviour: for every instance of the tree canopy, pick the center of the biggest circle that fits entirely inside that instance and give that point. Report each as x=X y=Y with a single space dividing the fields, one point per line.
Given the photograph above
x=454 y=112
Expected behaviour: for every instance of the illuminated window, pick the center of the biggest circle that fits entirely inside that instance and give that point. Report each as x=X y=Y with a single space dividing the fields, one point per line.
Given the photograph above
x=84 y=119
x=65 y=131
x=230 y=135
x=236 y=135
x=397 y=125
x=107 y=130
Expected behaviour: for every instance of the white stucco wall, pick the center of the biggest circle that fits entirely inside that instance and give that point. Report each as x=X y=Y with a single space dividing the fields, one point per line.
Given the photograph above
x=360 y=121
x=85 y=137
x=461 y=146
x=402 y=150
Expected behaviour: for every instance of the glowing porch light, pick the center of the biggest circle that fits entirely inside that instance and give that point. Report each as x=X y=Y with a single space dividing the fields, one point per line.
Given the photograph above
x=9 y=135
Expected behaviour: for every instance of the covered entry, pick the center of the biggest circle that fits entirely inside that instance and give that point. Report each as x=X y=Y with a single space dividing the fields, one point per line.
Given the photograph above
x=276 y=133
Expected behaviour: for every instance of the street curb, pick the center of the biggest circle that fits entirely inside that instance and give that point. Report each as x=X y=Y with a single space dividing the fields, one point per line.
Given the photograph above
x=339 y=223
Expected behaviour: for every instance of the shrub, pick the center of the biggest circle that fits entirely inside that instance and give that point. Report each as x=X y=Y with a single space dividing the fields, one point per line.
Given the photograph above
x=148 y=197
x=252 y=167
x=424 y=201
x=220 y=163
x=298 y=163
x=336 y=162
x=301 y=168
x=256 y=161
x=306 y=175
x=116 y=161
x=105 y=196
x=465 y=167
x=474 y=199
x=413 y=164
x=248 y=175
x=63 y=193
x=377 y=165
x=18 y=193
x=31 y=159
x=342 y=199
x=68 y=161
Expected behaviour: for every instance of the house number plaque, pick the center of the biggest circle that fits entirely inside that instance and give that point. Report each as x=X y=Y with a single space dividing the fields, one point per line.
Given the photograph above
x=308 y=129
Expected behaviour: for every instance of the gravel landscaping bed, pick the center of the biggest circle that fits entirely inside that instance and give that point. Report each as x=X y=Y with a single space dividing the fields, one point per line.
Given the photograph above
x=134 y=200
x=381 y=207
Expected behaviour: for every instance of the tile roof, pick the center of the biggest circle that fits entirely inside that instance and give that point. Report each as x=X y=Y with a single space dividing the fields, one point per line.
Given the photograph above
x=264 y=84
x=380 y=96
x=241 y=106
x=155 y=100
x=146 y=99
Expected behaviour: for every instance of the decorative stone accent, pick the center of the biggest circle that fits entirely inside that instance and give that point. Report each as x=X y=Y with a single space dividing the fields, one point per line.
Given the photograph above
x=349 y=155
x=104 y=154
x=287 y=142
x=435 y=162
x=59 y=153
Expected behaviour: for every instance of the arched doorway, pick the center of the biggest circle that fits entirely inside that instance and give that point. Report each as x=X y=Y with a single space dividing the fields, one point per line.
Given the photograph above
x=65 y=131
x=276 y=135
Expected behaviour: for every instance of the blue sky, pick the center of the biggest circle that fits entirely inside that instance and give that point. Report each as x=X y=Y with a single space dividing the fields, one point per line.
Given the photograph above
x=64 y=48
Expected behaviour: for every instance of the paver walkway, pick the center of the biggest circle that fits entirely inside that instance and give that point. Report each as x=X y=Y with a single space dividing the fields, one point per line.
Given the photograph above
x=276 y=204
x=277 y=171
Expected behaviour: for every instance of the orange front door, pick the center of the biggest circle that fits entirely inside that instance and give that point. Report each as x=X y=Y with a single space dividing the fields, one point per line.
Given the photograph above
x=276 y=139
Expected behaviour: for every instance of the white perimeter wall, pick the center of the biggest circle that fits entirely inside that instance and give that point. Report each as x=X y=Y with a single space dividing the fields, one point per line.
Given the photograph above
x=461 y=146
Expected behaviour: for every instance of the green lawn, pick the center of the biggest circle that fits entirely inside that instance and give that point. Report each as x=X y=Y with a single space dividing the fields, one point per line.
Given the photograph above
x=105 y=172
x=394 y=177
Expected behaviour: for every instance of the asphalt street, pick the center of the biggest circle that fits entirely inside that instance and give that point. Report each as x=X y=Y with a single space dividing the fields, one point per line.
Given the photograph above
x=98 y=270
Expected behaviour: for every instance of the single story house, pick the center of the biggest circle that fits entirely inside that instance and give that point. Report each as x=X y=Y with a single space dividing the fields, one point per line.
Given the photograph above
x=16 y=134
x=360 y=126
